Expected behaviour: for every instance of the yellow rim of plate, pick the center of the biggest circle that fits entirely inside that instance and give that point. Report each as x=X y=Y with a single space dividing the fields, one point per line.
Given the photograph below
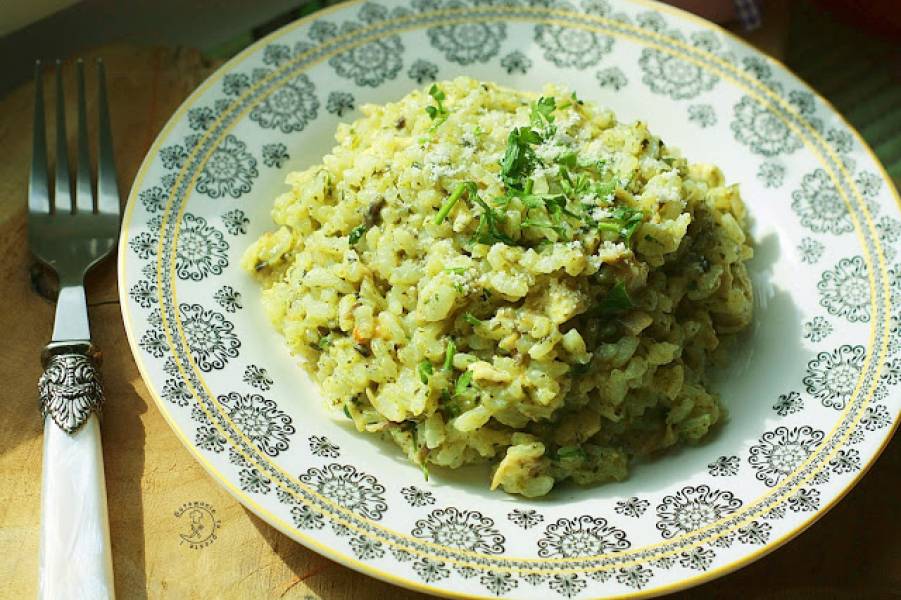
x=367 y=568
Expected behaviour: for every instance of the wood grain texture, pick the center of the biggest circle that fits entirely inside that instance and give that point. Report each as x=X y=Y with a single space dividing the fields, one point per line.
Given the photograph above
x=853 y=552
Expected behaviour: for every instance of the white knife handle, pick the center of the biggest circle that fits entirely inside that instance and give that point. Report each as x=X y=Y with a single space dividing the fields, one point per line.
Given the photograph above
x=75 y=560
x=75 y=557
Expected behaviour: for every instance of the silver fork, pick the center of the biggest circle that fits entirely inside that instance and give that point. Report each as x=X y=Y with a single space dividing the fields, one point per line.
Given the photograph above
x=71 y=235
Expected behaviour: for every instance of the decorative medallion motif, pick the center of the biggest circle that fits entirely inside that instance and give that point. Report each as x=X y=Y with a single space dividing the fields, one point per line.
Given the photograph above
x=693 y=507
x=468 y=43
x=260 y=420
x=583 y=536
x=845 y=290
x=571 y=47
x=782 y=451
x=819 y=206
x=674 y=77
x=209 y=335
x=289 y=108
x=466 y=529
x=832 y=376
x=352 y=489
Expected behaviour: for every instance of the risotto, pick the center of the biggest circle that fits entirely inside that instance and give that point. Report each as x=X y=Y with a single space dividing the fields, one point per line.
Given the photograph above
x=488 y=275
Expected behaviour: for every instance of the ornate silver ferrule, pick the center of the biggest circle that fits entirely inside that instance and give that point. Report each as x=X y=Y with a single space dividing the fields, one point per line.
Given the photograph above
x=70 y=388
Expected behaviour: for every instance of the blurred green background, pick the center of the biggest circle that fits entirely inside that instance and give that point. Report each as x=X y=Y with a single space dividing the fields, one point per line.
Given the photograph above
x=858 y=71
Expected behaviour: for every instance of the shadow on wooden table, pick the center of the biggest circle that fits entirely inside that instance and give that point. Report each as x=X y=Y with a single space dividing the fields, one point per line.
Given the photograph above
x=125 y=499
x=123 y=438
x=307 y=567
x=24 y=321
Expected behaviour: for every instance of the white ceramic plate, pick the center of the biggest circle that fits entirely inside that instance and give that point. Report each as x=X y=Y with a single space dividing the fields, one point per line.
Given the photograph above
x=813 y=395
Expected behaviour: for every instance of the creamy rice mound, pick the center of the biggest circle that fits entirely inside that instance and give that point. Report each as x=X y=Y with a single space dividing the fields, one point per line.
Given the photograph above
x=488 y=275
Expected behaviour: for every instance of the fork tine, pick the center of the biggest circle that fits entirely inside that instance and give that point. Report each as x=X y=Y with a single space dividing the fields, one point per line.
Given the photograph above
x=107 y=187
x=62 y=193
x=84 y=201
x=38 y=189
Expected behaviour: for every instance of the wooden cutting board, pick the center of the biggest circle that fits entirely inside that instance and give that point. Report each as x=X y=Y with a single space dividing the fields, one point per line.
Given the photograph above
x=854 y=552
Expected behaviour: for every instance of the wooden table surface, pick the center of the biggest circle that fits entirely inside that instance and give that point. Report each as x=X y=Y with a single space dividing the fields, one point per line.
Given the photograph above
x=853 y=552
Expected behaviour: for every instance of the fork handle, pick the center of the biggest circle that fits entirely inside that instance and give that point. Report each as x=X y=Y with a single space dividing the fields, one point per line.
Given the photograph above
x=75 y=557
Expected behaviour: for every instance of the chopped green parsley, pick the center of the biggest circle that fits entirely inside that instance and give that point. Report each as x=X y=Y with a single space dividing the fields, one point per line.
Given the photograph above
x=616 y=301
x=356 y=233
x=463 y=382
x=425 y=371
x=449 y=355
x=469 y=318
x=468 y=187
x=437 y=113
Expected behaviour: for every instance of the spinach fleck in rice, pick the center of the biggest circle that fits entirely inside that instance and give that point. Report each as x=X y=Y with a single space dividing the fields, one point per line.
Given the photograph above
x=486 y=275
